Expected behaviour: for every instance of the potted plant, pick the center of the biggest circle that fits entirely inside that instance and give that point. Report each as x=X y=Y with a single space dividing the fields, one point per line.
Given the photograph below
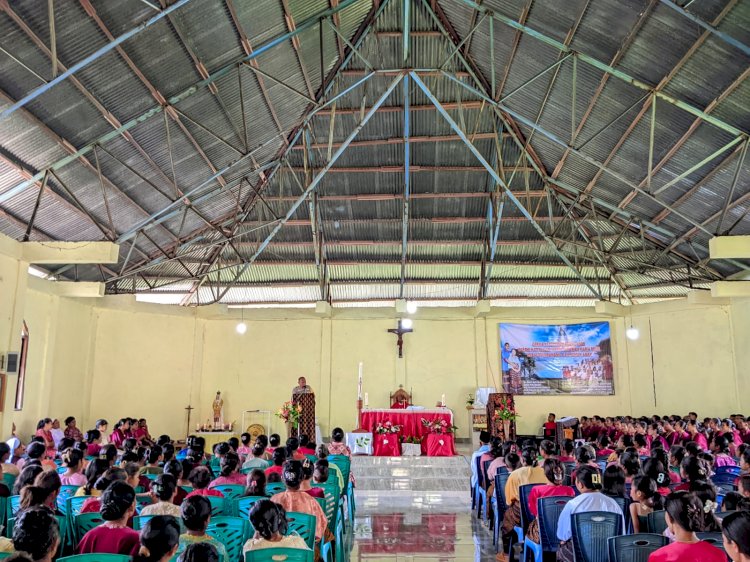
x=506 y=413
x=470 y=402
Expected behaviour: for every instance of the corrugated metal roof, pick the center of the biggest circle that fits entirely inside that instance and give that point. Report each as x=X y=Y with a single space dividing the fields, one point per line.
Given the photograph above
x=361 y=204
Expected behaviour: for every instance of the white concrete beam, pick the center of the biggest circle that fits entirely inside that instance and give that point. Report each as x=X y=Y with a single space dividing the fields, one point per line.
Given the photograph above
x=610 y=308
x=323 y=308
x=54 y=252
x=730 y=289
x=80 y=289
x=400 y=306
x=705 y=297
x=482 y=308
x=728 y=247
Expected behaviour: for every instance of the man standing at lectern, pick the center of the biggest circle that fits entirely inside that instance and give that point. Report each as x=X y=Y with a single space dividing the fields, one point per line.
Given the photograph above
x=304 y=396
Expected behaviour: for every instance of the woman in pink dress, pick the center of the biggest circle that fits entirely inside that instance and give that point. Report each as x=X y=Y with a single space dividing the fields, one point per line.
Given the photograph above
x=685 y=517
x=113 y=536
x=554 y=471
x=73 y=462
x=200 y=478
x=720 y=447
x=44 y=430
x=337 y=445
x=121 y=432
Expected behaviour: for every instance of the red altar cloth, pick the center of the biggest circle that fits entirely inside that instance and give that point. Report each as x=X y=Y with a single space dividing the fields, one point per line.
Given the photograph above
x=386 y=445
x=440 y=445
x=409 y=420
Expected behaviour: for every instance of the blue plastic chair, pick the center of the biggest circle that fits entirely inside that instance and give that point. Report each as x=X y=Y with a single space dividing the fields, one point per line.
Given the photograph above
x=591 y=530
x=724 y=478
x=241 y=506
x=526 y=517
x=218 y=505
x=275 y=488
x=74 y=505
x=231 y=532
x=549 y=510
x=230 y=491
x=624 y=504
x=734 y=470
x=304 y=525
x=12 y=507
x=141 y=502
x=714 y=539
x=656 y=522
x=499 y=506
x=635 y=548
x=480 y=490
x=273 y=554
x=725 y=487
x=140 y=520
x=96 y=558
x=63 y=495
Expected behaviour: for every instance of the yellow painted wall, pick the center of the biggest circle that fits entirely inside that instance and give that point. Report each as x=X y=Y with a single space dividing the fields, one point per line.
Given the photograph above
x=112 y=357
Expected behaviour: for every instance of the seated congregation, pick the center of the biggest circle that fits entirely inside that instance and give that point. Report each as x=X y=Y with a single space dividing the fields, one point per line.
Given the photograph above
x=127 y=494
x=663 y=488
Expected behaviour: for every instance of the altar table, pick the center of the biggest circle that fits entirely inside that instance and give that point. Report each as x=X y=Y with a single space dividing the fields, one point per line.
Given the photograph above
x=409 y=420
x=359 y=443
x=214 y=437
x=440 y=445
x=387 y=445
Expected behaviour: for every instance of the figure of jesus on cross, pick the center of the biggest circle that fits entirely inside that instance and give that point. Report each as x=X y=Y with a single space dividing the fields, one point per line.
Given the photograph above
x=400 y=331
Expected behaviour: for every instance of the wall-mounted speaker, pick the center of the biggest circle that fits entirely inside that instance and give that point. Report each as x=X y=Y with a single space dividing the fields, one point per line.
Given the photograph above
x=12 y=363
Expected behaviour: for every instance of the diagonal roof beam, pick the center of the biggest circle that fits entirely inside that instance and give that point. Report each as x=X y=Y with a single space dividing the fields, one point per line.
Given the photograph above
x=191 y=90
x=91 y=58
x=499 y=180
x=604 y=67
x=235 y=218
x=318 y=177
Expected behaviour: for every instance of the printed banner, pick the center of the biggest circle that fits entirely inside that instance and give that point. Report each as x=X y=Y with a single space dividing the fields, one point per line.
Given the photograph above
x=556 y=359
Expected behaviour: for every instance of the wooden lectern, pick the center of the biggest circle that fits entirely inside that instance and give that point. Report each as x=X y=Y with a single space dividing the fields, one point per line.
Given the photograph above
x=307 y=417
x=496 y=427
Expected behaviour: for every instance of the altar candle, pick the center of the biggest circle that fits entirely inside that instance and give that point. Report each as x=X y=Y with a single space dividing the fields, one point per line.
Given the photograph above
x=359 y=383
x=367 y=399
x=442 y=399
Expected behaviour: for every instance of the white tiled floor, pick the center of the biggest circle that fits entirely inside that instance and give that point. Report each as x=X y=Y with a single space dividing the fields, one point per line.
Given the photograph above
x=416 y=508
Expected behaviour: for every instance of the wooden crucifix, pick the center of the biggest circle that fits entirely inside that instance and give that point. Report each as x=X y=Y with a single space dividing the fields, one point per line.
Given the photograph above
x=400 y=331
x=189 y=410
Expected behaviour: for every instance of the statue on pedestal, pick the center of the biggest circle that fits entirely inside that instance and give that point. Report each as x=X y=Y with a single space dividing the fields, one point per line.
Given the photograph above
x=218 y=409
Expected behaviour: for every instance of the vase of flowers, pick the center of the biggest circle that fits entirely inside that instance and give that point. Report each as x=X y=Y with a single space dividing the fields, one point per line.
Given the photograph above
x=505 y=412
x=469 y=401
x=438 y=426
x=290 y=413
x=387 y=428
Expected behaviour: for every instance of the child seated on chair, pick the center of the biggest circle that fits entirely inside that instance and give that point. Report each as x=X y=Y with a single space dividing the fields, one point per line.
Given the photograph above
x=554 y=471
x=308 y=468
x=174 y=469
x=244 y=449
x=72 y=461
x=229 y=474
x=589 y=483
x=160 y=537
x=196 y=515
x=529 y=473
x=113 y=536
x=42 y=492
x=273 y=443
x=163 y=492
x=646 y=499
x=200 y=478
x=685 y=516
x=256 y=483
x=270 y=523
x=256 y=458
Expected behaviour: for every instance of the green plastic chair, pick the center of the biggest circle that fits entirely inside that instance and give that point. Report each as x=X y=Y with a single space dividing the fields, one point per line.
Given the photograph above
x=241 y=506
x=140 y=520
x=231 y=532
x=3 y=509
x=62 y=469
x=141 y=502
x=275 y=488
x=12 y=507
x=9 y=480
x=62 y=523
x=276 y=554
x=187 y=489
x=4 y=555
x=218 y=505
x=230 y=491
x=63 y=495
x=96 y=557
x=304 y=525
x=74 y=505
x=84 y=522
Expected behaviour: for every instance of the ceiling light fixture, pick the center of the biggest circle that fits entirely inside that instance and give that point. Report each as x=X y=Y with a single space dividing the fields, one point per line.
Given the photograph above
x=407 y=323
x=632 y=333
x=411 y=307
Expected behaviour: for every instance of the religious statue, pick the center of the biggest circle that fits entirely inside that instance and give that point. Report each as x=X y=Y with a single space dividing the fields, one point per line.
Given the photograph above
x=218 y=408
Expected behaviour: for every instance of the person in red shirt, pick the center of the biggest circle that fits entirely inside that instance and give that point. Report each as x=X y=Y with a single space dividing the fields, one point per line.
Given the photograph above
x=200 y=478
x=550 y=427
x=685 y=517
x=121 y=432
x=113 y=536
x=555 y=473
x=279 y=458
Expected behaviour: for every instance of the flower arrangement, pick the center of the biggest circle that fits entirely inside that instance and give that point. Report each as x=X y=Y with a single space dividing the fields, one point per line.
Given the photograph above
x=438 y=426
x=386 y=428
x=413 y=440
x=469 y=401
x=506 y=411
x=290 y=413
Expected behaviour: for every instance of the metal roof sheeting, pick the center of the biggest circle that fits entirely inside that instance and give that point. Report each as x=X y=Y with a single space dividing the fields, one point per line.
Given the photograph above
x=654 y=245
